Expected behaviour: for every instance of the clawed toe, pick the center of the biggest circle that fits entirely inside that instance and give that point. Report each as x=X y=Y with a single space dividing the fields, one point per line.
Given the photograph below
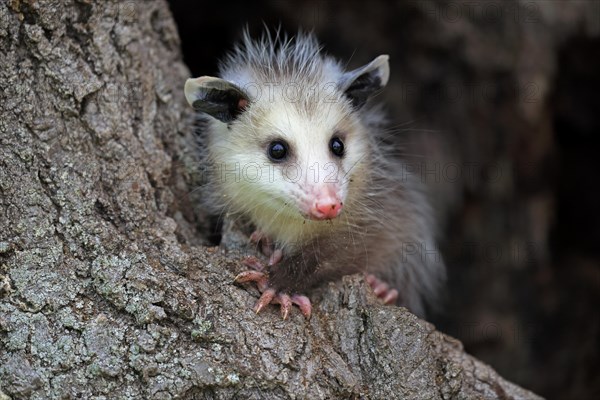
x=285 y=301
x=391 y=297
x=266 y=298
x=250 y=276
x=257 y=274
x=272 y=296
x=303 y=303
x=286 y=304
x=253 y=262
x=382 y=289
x=275 y=257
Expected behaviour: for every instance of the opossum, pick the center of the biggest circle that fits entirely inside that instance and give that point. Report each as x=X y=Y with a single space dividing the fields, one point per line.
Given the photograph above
x=299 y=148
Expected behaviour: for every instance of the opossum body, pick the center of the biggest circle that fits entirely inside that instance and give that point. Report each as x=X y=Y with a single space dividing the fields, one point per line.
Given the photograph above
x=296 y=147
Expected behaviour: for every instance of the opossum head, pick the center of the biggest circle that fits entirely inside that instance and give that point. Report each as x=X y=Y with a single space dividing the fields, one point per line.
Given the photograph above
x=287 y=138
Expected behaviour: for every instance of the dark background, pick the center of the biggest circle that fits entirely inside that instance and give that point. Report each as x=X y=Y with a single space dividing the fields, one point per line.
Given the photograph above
x=498 y=102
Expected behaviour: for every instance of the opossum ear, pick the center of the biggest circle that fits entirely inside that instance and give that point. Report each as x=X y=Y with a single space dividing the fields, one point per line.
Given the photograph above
x=217 y=97
x=363 y=82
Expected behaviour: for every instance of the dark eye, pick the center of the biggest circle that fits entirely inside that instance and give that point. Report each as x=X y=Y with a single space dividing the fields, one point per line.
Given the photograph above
x=277 y=150
x=337 y=146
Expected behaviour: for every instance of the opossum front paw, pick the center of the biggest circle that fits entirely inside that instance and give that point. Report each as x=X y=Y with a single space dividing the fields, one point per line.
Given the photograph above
x=271 y=295
x=382 y=289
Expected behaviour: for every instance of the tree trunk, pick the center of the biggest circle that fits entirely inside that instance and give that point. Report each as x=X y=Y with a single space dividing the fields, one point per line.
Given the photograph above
x=106 y=290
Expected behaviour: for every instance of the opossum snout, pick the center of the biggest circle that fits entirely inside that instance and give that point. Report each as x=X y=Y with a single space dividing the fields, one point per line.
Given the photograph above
x=325 y=207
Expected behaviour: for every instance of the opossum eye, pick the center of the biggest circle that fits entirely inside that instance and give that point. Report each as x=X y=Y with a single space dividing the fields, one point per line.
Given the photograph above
x=277 y=150
x=337 y=146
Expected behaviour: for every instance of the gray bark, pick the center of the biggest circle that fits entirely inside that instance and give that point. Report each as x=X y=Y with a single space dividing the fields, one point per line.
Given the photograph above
x=105 y=288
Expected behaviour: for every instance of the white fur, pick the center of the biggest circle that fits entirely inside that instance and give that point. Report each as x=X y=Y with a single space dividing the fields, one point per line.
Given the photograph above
x=298 y=101
x=382 y=210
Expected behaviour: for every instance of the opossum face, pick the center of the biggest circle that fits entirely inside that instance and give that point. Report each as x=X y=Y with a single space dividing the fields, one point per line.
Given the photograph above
x=296 y=162
x=283 y=158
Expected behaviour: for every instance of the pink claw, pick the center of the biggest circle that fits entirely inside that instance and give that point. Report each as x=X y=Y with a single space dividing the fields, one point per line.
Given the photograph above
x=256 y=236
x=371 y=279
x=303 y=303
x=286 y=304
x=266 y=298
x=270 y=295
x=253 y=262
x=261 y=279
x=391 y=297
x=382 y=289
x=249 y=276
x=275 y=257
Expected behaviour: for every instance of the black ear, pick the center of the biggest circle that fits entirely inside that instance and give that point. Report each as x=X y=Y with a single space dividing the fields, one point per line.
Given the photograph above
x=360 y=84
x=217 y=97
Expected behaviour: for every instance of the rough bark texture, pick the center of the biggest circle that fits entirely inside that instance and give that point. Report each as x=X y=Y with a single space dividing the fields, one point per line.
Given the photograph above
x=105 y=289
x=499 y=99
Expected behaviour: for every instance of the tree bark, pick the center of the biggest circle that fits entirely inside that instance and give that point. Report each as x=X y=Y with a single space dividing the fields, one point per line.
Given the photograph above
x=106 y=289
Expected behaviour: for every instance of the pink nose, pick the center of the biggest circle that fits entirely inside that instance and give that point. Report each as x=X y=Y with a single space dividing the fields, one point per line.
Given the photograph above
x=327 y=208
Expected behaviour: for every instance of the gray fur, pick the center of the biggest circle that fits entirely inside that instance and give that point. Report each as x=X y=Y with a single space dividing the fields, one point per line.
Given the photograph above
x=386 y=227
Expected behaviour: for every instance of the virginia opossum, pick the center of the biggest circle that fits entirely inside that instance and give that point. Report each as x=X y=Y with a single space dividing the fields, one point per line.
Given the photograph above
x=298 y=148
